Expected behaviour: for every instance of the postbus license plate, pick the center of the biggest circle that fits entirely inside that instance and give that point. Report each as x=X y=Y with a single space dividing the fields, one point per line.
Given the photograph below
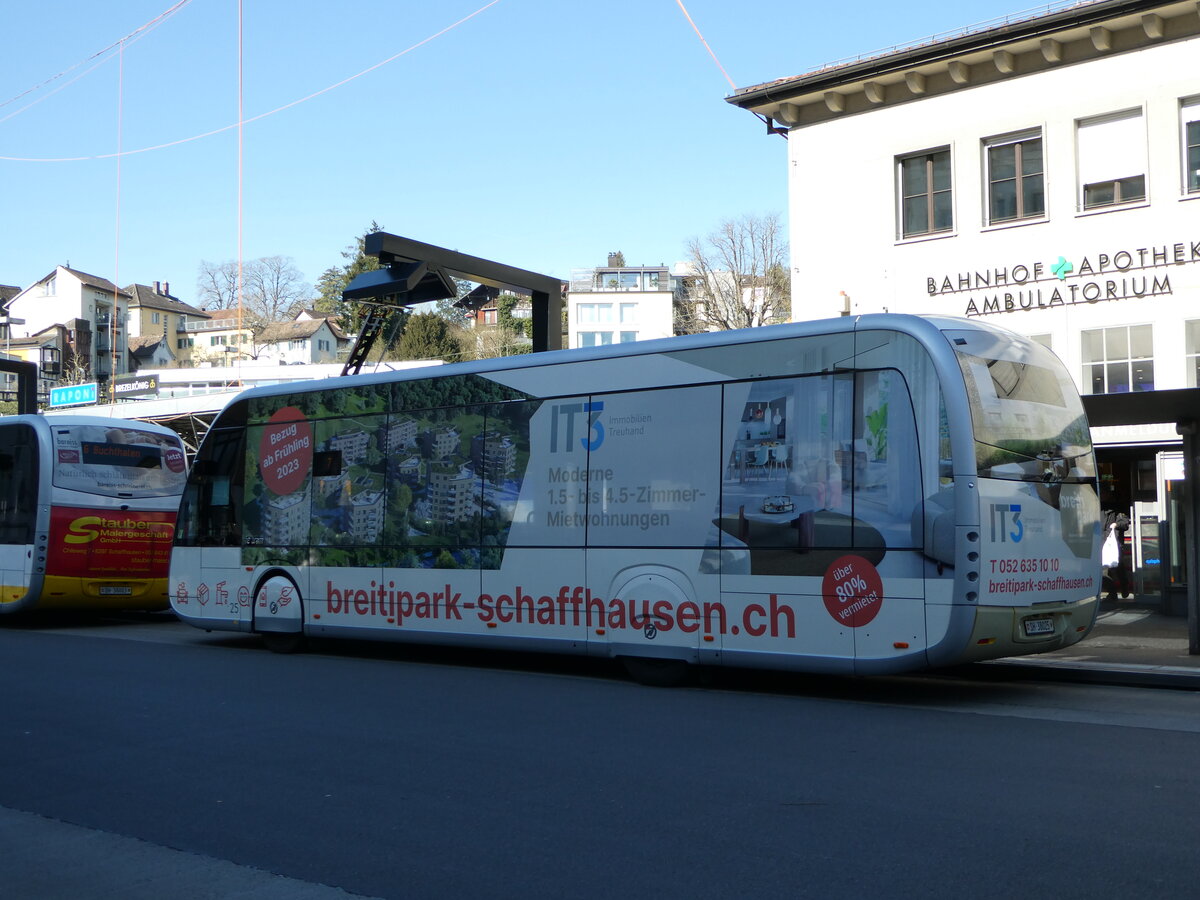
x=115 y=590
x=1043 y=625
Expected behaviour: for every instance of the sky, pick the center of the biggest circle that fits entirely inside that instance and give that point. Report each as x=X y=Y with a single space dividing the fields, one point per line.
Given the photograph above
x=542 y=134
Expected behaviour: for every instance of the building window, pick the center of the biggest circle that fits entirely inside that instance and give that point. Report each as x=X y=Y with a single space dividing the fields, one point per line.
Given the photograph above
x=154 y=318
x=1191 y=145
x=1015 y=179
x=1118 y=360
x=1043 y=339
x=628 y=312
x=628 y=337
x=1192 y=336
x=595 y=338
x=490 y=316
x=215 y=340
x=1112 y=159
x=926 y=200
x=591 y=313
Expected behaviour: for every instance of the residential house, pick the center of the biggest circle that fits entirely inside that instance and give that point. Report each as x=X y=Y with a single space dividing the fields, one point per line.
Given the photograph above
x=302 y=342
x=616 y=304
x=150 y=352
x=153 y=311
x=222 y=339
x=92 y=309
x=47 y=349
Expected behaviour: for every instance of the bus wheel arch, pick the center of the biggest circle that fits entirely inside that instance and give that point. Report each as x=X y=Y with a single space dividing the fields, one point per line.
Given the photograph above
x=651 y=662
x=279 y=612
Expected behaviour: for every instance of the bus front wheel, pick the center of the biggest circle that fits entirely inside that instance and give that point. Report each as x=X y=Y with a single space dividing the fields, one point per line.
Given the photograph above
x=283 y=641
x=655 y=672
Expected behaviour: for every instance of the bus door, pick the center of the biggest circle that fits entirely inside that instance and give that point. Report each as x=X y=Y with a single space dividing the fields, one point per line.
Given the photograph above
x=208 y=578
x=532 y=460
x=820 y=488
x=652 y=494
x=19 y=478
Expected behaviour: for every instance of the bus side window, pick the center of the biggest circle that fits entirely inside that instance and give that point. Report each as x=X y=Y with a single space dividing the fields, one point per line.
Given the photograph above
x=211 y=512
x=18 y=484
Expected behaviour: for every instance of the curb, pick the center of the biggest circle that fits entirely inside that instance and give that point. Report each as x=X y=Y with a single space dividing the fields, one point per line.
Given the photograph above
x=1183 y=678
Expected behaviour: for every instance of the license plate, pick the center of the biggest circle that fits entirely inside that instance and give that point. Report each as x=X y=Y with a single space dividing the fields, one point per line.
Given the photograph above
x=115 y=590
x=1044 y=625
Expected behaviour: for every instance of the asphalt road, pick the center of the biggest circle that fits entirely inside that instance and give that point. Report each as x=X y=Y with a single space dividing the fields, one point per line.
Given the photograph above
x=146 y=759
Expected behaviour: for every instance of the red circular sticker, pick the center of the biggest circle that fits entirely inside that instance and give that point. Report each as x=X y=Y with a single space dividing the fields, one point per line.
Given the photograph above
x=285 y=452
x=174 y=459
x=853 y=591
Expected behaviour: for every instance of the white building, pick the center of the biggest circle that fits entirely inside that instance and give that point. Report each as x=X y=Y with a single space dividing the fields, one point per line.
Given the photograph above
x=93 y=309
x=616 y=304
x=1042 y=173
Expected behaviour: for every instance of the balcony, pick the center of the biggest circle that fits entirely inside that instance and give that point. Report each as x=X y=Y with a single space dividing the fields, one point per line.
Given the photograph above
x=217 y=325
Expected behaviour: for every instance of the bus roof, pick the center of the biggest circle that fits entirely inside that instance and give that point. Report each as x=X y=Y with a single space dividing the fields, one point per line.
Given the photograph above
x=918 y=326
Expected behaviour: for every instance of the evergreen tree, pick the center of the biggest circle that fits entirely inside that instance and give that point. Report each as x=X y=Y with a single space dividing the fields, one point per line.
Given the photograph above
x=429 y=336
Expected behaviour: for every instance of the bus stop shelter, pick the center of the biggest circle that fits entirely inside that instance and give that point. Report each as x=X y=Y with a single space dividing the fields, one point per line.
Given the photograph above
x=1182 y=407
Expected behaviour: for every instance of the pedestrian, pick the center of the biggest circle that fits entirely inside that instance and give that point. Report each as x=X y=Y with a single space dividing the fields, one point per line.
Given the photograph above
x=1112 y=556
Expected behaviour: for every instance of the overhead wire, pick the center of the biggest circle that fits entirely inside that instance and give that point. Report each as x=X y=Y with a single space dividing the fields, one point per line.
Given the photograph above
x=732 y=85
x=101 y=57
x=260 y=116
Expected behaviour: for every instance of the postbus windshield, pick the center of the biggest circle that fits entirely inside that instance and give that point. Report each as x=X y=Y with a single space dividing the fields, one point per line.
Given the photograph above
x=1029 y=422
x=117 y=461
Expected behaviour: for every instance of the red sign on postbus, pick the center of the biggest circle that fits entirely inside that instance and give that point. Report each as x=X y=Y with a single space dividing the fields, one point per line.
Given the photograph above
x=285 y=451
x=853 y=590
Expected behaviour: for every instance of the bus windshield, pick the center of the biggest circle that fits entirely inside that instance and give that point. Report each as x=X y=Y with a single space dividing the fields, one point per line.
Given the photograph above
x=117 y=461
x=1029 y=422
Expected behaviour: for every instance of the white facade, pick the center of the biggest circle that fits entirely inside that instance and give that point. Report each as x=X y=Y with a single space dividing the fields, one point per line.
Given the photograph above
x=1130 y=264
x=66 y=295
x=1006 y=272
x=1042 y=174
x=619 y=304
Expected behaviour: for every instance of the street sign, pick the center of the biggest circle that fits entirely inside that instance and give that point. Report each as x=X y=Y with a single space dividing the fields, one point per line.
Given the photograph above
x=72 y=395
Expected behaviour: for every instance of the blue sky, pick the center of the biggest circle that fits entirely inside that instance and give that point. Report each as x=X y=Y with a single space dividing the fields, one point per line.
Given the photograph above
x=539 y=133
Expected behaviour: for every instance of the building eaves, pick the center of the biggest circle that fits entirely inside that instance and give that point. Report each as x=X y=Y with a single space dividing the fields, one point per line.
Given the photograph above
x=144 y=295
x=937 y=50
x=291 y=331
x=96 y=281
x=140 y=343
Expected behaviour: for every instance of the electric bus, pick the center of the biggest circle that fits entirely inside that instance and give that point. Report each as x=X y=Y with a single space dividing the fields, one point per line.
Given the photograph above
x=863 y=495
x=87 y=512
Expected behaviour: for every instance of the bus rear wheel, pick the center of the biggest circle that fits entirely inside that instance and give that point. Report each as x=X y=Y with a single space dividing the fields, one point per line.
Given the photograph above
x=283 y=641
x=655 y=672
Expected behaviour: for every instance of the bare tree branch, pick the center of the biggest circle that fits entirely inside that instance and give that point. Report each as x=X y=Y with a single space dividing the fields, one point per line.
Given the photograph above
x=739 y=277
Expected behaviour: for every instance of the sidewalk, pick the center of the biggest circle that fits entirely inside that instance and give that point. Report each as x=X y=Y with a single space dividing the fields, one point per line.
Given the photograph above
x=1130 y=644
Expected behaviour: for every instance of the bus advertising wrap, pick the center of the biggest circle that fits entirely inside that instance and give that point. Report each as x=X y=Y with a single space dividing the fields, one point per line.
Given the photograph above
x=110 y=543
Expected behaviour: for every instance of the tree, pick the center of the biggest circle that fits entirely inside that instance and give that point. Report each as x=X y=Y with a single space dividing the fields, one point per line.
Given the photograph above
x=429 y=336
x=739 y=277
x=505 y=305
x=216 y=285
x=455 y=315
x=333 y=282
x=273 y=289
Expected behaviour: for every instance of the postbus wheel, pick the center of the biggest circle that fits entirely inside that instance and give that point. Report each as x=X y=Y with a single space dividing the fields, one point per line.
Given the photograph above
x=283 y=641
x=655 y=672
